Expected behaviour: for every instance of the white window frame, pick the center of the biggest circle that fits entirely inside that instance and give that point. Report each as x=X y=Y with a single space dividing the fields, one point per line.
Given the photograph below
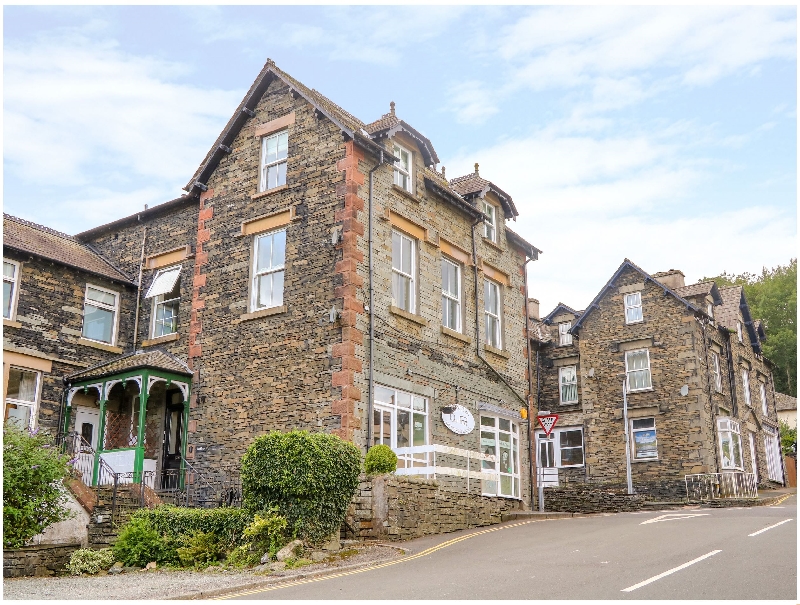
x=772 y=449
x=753 y=454
x=746 y=387
x=641 y=429
x=33 y=405
x=717 y=372
x=628 y=371
x=564 y=337
x=562 y=384
x=276 y=269
x=263 y=184
x=555 y=439
x=400 y=171
x=14 y=281
x=514 y=475
x=632 y=302
x=412 y=277
x=159 y=300
x=710 y=310
x=497 y=338
x=762 y=389
x=727 y=427
x=403 y=460
x=449 y=296
x=113 y=308
x=490 y=226
x=739 y=330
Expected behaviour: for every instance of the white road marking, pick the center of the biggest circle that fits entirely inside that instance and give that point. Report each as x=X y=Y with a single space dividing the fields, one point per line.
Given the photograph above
x=760 y=531
x=674 y=517
x=671 y=571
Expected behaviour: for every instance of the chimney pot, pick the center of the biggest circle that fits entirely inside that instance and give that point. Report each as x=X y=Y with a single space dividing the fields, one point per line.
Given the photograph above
x=476 y=168
x=391 y=107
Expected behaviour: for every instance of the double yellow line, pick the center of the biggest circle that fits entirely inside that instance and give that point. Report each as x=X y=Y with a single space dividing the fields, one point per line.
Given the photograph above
x=422 y=553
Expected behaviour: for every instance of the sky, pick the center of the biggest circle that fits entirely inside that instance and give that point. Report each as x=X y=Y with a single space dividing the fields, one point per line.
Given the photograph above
x=667 y=136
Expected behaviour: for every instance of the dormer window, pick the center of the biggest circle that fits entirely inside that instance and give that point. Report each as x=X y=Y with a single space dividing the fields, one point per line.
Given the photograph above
x=564 y=337
x=710 y=310
x=402 y=167
x=490 y=223
x=633 y=308
x=274 y=150
x=739 y=330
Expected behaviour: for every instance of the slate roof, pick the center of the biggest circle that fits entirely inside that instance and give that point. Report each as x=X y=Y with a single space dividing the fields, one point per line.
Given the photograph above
x=25 y=236
x=389 y=123
x=785 y=402
x=703 y=288
x=539 y=331
x=154 y=358
x=728 y=313
x=558 y=308
x=473 y=184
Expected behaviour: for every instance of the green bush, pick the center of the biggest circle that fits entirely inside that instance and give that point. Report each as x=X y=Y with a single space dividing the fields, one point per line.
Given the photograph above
x=243 y=556
x=202 y=548
x=309 y=478
x=177 y=523
x=380 y=459
x=88 y=561
x=267 y=532
x=33 y=496
x=139 y=543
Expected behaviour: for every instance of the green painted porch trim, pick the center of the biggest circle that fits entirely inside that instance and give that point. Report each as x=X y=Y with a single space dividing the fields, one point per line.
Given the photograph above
x=100 y=432
x=139 y=372
x=186 y=405
x=138 y=460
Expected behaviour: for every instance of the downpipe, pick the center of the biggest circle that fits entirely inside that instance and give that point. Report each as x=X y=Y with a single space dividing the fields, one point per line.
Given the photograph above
x=371 y=388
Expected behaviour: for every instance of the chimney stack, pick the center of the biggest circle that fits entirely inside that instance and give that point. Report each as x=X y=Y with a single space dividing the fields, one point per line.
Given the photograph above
x=674 y=278
x=533 y=309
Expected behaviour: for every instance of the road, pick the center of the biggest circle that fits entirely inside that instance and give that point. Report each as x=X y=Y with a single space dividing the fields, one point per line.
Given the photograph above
x=701 y=553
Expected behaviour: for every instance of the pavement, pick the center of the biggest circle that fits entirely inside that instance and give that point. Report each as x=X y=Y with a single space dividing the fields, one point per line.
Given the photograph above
x=687 y=553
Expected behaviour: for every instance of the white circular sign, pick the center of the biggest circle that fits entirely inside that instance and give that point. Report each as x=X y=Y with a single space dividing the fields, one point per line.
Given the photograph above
x=460 y=420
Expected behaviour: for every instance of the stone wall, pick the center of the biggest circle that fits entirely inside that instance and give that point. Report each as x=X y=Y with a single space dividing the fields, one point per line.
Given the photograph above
x=591 y=499
x=388 y=507
x=39 y=560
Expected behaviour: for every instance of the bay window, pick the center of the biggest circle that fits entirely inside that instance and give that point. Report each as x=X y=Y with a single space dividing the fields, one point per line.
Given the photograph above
x=773 y=451
x=568 y=382
x=637 y=370
x=730 y=443
x=269 y=264
x=400 y=419
x=404 y=272
x=500 y=438
x=100 y=309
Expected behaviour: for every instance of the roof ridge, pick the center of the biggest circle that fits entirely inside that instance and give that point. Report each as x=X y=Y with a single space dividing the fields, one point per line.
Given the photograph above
x=49 y=230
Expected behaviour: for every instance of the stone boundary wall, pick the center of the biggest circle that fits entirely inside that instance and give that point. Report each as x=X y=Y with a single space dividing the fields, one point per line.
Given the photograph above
x=390 y=507
x=39 y=560
x=590 y=498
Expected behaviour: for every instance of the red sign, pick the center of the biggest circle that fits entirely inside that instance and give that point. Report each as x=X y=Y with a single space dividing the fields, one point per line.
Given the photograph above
x=548 y=422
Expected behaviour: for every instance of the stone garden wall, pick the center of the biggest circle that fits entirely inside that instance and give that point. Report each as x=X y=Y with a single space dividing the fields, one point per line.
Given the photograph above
x=38 y=560
x=389 y=507
x=589 y=498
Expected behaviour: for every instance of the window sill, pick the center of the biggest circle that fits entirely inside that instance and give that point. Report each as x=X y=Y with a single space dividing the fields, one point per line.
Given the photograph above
x=641 y=391
x=569 y=403
x=10 y=323
x=456 y=335
x=161 y=339
x=99 y=345
x=498 y=352
x=408 y=194
x=644 y=460
x=492 y=244
x=262 y=313
x=257 y=196
x=409 y=316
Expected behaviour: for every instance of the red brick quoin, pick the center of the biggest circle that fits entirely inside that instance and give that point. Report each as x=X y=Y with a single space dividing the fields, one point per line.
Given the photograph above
x=350 y=307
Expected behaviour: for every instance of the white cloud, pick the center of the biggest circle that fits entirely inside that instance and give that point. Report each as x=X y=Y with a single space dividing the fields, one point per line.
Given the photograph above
x=86 y=114
x=472 y=102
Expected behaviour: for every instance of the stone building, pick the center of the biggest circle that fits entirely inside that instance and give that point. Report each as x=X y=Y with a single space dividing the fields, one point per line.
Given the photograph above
x=321 y=273
x=700 y=396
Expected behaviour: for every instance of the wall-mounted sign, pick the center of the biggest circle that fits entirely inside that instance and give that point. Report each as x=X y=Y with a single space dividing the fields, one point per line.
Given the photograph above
x=548 y=422
x=458 y=419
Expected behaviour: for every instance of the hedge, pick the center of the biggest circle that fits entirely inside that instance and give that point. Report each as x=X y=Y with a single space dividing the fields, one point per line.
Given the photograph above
x=227 y=524
x=309 y=478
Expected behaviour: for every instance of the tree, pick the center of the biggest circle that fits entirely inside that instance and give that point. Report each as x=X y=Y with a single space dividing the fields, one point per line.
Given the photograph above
x=33 y=495
x=772 y=297
x=788 y=439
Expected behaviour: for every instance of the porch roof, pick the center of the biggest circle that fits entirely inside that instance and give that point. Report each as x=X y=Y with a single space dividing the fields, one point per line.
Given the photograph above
x=155 y=359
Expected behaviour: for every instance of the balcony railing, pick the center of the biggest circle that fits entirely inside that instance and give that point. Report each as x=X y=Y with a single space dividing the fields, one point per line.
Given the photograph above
x=718 y=486
x=421 y=460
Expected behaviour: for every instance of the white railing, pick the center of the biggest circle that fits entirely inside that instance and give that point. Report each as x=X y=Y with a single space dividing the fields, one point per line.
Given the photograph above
x=431 y=467
x=717 y=486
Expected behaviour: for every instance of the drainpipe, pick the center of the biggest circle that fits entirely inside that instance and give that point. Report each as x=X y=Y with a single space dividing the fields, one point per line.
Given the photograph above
x=477 y=315
x=371 y=311
x=139 y=291
x=530 y=375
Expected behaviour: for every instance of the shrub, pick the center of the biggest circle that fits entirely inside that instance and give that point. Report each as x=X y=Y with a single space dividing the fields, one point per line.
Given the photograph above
x=202 y=548
x=86 y=560
x=309 y=478
x=380 y=459
x=267 y=532
x=177 y=523
x=139 y=543
x=33 y=497
x=243 y=556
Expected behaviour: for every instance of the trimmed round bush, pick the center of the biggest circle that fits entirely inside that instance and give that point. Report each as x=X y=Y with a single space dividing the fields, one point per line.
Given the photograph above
x=88 y=561
x=309 y=478
x=139 y=543
x=380 y=459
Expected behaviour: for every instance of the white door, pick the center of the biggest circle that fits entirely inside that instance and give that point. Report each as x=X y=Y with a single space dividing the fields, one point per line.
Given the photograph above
x=87 y=423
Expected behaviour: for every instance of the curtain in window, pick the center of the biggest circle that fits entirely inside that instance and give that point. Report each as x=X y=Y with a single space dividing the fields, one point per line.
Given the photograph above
x=638 y=370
